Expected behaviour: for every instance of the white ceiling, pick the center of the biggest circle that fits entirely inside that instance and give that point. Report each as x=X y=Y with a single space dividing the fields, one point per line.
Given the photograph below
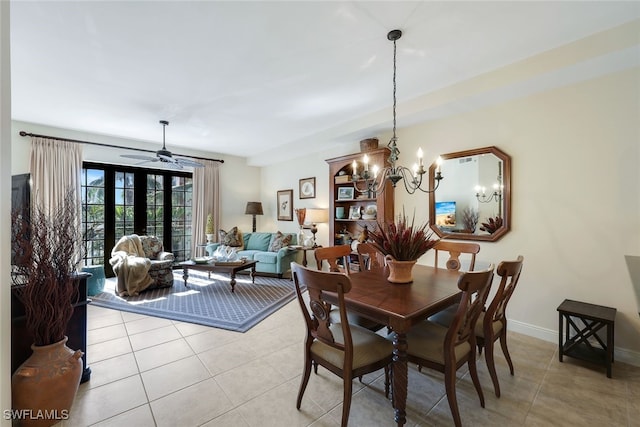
x=242 y=78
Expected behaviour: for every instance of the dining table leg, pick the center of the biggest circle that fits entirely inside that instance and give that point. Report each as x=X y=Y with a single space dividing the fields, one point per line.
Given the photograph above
x=400 y=377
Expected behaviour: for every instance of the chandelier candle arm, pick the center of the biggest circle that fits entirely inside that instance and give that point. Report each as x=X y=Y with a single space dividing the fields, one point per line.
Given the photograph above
x=374 y=184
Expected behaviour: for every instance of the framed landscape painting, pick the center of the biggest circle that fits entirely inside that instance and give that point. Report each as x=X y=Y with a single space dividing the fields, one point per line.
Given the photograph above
x=345 y=193
x=285 y=205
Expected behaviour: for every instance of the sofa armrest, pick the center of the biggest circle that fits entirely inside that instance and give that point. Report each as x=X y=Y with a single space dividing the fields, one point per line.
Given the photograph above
x=165 y=256
x=286 y=256
x=282 y=252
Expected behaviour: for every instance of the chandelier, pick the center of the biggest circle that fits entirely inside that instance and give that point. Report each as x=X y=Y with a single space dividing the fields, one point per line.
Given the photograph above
x=374 y=182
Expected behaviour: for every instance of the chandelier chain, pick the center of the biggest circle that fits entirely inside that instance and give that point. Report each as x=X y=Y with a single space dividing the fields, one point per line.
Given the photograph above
x=394 y=89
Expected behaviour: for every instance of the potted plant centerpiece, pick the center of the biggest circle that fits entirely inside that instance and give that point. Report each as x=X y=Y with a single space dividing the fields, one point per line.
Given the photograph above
x=402 y=242
x=47 y=249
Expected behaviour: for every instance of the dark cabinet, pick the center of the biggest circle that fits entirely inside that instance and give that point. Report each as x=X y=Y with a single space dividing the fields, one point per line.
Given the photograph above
x=21 y=339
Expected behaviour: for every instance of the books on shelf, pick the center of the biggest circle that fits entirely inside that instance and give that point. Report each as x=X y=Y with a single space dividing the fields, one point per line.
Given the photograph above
x=342 y=179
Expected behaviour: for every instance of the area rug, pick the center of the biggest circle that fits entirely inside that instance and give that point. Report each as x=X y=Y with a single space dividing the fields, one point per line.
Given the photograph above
x=206 y=301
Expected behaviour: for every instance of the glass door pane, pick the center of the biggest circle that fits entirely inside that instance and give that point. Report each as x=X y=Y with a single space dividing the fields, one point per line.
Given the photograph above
x=93 y=225
x=155 y=205
x=124 y=204
x=181 y=195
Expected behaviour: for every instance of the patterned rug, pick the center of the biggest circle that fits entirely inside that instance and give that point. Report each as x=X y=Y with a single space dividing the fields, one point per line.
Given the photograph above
x=206 y=301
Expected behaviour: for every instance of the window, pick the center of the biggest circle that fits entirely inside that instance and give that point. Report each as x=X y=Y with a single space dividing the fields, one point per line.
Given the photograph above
x=93 y=215
x=155 y=205
x=121 y=200
x=124 y=203
x=181 y=196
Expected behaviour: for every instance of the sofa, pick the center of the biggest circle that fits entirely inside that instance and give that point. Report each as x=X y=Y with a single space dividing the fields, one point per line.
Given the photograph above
x=265 y=248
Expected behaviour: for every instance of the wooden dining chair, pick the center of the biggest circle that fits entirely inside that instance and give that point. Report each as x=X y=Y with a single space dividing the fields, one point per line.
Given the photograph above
x=369 y=257
x=446 y=349
x=334 y=256
x=347 y=350
x=455 y=249
x=492 y=322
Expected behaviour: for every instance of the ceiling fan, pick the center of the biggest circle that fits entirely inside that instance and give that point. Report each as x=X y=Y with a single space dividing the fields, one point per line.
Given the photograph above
x=164 y=156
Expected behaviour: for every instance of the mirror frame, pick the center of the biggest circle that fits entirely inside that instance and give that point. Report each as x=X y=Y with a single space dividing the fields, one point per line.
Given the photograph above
x=506 y=194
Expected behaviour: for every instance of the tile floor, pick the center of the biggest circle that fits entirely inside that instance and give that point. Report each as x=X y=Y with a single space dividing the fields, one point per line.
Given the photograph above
x=149 y=371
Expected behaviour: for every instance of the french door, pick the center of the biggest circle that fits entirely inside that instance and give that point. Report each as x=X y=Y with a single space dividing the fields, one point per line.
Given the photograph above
x=119 y=200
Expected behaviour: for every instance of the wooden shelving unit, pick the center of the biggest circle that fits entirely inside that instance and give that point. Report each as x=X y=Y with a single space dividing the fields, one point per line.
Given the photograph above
x=340 y=174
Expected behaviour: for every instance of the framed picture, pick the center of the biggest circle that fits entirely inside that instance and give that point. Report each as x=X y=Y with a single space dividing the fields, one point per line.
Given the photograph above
x=308 y=188
x=285 y=205
x=354 y=212
x=345 y=193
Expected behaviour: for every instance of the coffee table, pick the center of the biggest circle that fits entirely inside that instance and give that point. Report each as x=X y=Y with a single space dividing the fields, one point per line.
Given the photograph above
x=220 y=267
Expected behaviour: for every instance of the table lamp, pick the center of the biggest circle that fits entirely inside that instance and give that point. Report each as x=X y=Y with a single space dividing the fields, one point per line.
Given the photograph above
x=316 y=216
x=254 y=208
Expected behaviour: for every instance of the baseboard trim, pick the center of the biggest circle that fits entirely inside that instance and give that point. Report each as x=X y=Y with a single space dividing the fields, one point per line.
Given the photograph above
x=620 y=354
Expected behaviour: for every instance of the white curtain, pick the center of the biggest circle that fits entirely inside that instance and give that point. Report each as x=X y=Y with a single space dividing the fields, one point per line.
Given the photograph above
x=56 y=169
x=206 y=200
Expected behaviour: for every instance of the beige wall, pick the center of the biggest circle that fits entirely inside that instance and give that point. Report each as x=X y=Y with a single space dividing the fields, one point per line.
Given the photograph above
x=576 y=195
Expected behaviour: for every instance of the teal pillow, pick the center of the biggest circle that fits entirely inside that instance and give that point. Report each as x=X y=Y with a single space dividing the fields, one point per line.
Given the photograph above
x=259 y=241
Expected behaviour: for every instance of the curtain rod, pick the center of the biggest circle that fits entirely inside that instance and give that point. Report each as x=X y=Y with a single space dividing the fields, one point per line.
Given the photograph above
x=23 y=133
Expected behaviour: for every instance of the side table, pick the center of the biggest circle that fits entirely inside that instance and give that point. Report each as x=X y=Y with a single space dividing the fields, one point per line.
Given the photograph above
x=582 y=341
x=304 y=253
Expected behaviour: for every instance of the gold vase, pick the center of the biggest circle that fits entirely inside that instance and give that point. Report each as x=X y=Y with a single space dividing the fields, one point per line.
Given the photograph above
x=44 y=386
x=399 y=271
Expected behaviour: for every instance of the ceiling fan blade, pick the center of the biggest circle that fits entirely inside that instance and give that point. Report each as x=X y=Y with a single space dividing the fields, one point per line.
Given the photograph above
x=173 y=165
x=139 y=157
x=147 y=161
x=165 y=158
x=188 y=162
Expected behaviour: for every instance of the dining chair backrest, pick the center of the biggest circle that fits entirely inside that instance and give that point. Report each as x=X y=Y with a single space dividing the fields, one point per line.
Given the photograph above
x=369 y=257
x=455 y=249
x=333 y=255
x=316 y=312
x=474 y=286
x=509 y=272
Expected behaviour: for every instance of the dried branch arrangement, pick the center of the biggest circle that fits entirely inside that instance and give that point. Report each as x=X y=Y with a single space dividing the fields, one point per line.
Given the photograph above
x=47 y=249
x=470 y=219
x=403 y=240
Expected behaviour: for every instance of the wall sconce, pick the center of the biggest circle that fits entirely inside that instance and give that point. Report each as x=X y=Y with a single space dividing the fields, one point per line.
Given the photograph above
x=254 y=208
x=481 y=192
x=315 y=217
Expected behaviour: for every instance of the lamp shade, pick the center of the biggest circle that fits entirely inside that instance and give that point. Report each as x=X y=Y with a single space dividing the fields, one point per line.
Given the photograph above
x=254 y=208
x=316 y=216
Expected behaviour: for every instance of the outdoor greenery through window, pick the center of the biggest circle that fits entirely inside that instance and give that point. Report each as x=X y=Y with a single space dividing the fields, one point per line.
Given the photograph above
x=93 y=215
x=120 y=200
x=124 y=203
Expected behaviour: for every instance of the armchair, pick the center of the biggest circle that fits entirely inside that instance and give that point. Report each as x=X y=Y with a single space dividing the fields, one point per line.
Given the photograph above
x=140 y=263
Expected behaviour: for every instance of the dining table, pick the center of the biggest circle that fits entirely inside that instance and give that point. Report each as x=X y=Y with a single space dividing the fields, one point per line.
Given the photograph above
x=400 y=306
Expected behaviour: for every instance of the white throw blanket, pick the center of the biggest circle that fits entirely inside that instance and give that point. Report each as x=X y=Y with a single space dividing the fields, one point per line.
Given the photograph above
x=131 y=266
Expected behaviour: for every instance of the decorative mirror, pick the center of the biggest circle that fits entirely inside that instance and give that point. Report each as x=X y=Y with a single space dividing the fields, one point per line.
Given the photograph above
x=473 y=202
